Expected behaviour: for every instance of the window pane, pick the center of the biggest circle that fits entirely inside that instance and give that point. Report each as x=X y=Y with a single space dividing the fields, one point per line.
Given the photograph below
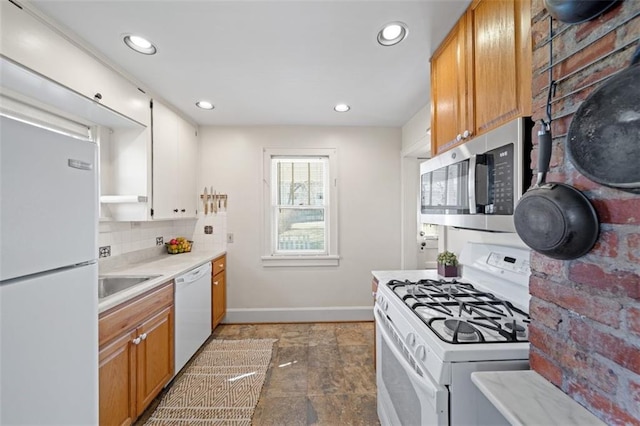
x=300 y=182
x=301 y=229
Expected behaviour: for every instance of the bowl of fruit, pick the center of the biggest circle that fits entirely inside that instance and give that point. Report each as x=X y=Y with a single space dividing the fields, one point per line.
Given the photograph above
x=178 y=245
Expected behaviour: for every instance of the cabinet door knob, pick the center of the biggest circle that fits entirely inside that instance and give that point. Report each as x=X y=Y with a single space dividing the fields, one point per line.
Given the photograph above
x=183 y=210
x=466 y=134
x=221 y=265
x=215 y=283
x=459 y=137
x=137 y=341
x=143 y=336
x=175 y=210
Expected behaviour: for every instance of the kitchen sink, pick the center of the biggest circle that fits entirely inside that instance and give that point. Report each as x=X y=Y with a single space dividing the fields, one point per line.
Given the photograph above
x=109 y=285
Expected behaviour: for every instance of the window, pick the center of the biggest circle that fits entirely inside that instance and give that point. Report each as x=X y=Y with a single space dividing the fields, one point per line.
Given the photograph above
x=300 y=207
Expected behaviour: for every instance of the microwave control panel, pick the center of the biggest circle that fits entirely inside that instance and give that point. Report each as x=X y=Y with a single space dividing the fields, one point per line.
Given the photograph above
x=500 y=176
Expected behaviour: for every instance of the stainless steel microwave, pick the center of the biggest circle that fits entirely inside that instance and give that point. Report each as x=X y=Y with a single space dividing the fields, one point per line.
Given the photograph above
x=477 y=185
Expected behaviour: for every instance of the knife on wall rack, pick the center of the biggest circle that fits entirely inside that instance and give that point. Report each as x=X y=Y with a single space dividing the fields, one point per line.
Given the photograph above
x=205 y=197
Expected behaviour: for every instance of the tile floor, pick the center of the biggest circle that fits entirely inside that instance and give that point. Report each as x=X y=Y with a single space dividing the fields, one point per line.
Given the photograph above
x=320 y=373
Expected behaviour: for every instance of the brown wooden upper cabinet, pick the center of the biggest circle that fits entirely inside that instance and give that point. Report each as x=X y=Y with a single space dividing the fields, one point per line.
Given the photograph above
x=481 y=73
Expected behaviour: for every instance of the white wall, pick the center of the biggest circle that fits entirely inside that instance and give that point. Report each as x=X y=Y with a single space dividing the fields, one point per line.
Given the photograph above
x=414 y=132
x=453 y=239
x=416 y=146
x=369 y=221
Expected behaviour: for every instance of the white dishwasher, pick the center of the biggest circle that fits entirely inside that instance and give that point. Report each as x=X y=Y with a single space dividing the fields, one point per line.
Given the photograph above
x=193 y=313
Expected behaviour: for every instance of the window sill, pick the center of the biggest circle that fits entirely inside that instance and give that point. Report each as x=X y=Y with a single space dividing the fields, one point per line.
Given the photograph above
x=302 y=260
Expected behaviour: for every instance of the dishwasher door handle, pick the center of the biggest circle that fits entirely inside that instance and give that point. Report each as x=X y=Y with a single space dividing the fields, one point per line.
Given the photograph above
x=194 y=274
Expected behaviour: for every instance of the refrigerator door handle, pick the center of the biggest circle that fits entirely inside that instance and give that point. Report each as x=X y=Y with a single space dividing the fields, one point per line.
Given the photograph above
x=79 y=164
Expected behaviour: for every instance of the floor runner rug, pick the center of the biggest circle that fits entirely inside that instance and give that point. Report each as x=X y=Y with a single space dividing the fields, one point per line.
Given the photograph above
x=220 y=387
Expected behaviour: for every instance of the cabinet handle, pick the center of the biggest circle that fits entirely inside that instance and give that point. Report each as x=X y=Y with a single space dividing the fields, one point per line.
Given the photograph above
x=143 y=336
x=175 y=210
x=215 y=283
x=459 y=137
x=183 y=210
x=221 y=265
x=137 y=341
x=466 y=134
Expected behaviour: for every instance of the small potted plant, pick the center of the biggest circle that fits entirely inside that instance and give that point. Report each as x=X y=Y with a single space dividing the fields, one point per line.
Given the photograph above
x=447 y=264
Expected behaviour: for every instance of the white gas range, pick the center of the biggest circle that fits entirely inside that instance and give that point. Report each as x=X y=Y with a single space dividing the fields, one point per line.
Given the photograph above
x=432 y=333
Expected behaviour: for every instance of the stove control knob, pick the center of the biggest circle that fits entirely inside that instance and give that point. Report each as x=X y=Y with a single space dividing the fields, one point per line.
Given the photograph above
x=421 y=353
x=411 y=339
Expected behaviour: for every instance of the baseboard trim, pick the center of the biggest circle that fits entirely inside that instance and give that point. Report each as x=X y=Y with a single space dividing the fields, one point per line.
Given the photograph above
x=267 y=315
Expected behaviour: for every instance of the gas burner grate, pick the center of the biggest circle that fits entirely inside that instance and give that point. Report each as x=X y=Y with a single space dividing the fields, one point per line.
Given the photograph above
x=441 y=304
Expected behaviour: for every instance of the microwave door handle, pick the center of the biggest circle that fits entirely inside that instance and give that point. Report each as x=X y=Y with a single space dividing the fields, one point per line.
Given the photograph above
x=472 y=185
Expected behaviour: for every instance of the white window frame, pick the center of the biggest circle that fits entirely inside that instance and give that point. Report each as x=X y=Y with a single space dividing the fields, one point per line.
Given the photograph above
x=302 y=258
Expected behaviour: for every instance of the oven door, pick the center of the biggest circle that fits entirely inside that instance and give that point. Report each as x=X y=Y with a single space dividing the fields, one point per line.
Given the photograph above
x=407 y=395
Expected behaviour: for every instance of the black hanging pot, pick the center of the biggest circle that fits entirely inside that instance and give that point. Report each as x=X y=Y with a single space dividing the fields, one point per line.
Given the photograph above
x=603 y=141
x=577 y=11
x=555 y=219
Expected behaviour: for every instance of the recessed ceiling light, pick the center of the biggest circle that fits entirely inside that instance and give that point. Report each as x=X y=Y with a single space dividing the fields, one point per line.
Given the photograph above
x=341 y=108
x=140 y=44
x=204 y=105
x=392 y=33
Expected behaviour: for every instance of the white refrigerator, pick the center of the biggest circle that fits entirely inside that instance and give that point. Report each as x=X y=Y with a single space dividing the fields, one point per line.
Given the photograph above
x=48 y=276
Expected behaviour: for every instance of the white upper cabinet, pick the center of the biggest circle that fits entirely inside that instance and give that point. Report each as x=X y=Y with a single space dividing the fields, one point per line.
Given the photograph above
x=175 y=147
x=41 y=48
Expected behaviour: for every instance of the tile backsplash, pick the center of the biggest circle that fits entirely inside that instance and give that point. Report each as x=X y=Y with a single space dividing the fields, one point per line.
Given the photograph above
x=126 y=237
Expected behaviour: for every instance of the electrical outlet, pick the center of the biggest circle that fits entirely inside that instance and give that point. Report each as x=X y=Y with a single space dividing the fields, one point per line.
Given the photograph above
x=159 y=241
x=104 y=251
x=229 y=238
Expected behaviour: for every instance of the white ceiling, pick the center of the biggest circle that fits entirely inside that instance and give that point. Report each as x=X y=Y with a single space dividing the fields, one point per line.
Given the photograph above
x=270 y=62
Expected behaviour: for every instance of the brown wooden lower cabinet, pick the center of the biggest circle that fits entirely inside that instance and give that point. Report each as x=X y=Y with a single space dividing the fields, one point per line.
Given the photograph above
x=136 y=363
x=218 y=290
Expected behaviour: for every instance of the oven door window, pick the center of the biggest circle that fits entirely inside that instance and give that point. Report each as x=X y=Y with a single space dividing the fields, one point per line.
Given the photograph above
x=413 y=395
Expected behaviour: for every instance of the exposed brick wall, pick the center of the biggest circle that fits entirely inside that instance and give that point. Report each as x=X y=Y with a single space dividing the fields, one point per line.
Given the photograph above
x=585 y=333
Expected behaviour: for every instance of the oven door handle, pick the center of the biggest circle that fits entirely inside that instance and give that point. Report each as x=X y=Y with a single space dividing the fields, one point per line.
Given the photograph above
x=425 y=382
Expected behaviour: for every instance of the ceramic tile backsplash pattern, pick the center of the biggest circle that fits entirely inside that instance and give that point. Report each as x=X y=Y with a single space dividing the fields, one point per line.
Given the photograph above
x=127 y=237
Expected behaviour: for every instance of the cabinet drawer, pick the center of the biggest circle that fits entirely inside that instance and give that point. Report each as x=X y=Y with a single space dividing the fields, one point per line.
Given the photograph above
x=219 y=265
x=131 y=313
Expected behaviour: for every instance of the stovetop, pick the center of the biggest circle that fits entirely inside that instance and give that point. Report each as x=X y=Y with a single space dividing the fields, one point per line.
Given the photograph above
x=458 y=313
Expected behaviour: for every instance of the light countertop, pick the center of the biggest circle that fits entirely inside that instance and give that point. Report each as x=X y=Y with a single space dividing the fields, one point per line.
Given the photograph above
x=166 y=266
x=527 y=398
x=408 y=274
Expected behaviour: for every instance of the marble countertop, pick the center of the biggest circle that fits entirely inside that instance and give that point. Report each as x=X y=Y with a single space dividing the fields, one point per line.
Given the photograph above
x=165 y=266
x=527 y=398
